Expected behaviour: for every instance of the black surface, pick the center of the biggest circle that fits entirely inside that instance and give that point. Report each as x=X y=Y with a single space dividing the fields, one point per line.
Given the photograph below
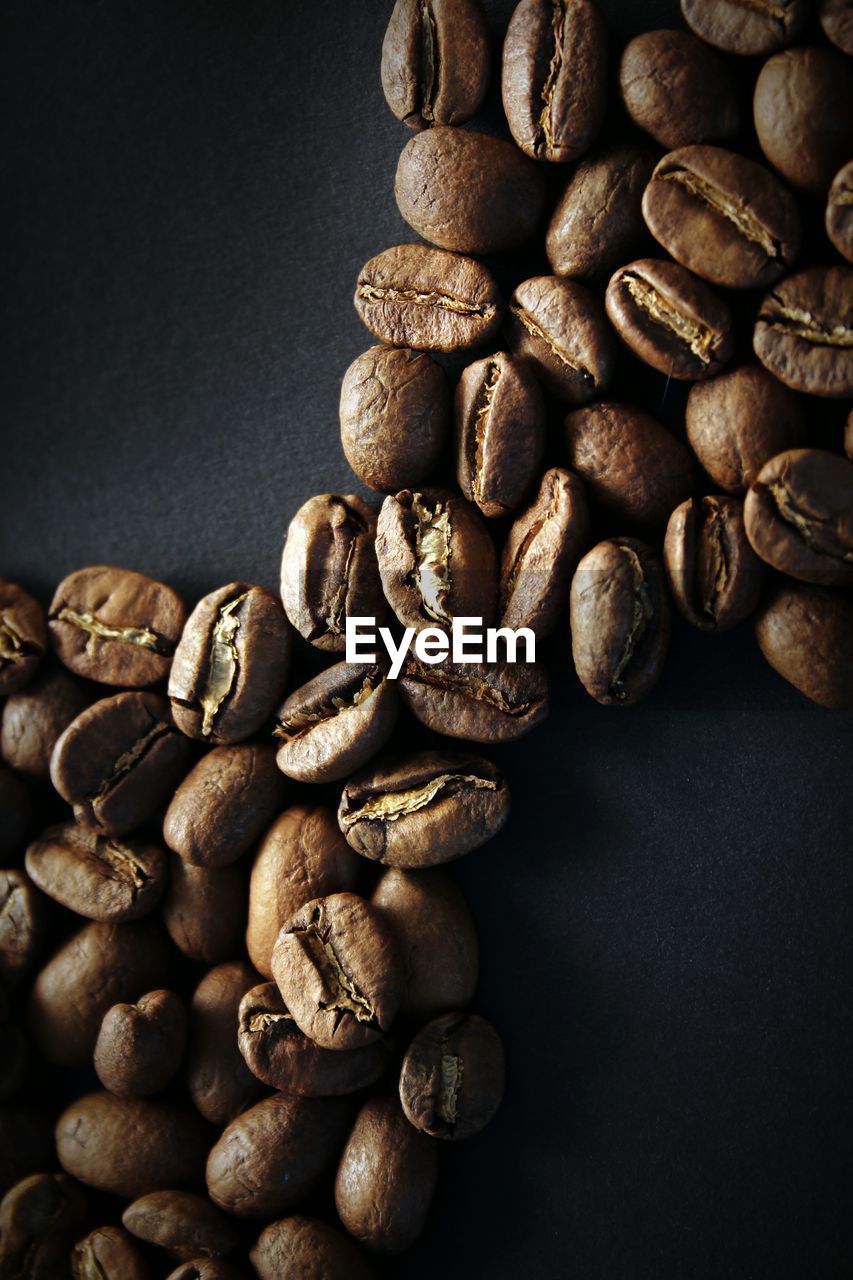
x=189 y=190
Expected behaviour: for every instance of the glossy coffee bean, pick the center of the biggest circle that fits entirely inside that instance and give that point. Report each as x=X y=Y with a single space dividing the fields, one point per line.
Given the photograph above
x=598 y=223
x=714 y=574
x=839 y=209
x=436 y=59
x=23 y=637
x=559 y=328
x=751 y=29
x=452 y=1078
x=99 y=877
x=804 y=332
x=23 y=926
x=141 y=1046
x=39 y=1219
x=184 y=1224
x=16 y=814
x=806 y=634
x=676 y=89
x=108 y=1253
x=500 y=433
x=204 y=910
x=802 y=115
x=297 y=1248
x=836 y=18
x=26 y=1143
x=34 y=718
x=219 y=1082
x=799 y=516
x=482 y=702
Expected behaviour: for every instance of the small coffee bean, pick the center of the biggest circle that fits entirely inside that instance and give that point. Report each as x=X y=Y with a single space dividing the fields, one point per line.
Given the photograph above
x=620 y=621
x=554 y=80
x=395 y=414
x=799 y=516
x=598 y=222
x=839 y=210
x=670 y=319
x=34 y=718
x=436 y=60
x=426 y=810
x=141 y=1046
x=207 y=1269
x=182 y=1223
x=753 y=29
x=39 y=1219
x=14 y=1060
x=806 y=634
x=802 y=115
x=416 y=296
x=714 y=574
x=26 y=1144
x=836 y=18
x=559 y=327
x=386 y=1178
x=23 y=926
x=219 y=1082
x=676 y=89
x=116 y=626
x=804 y=332
x=16 y=813
x=99 y=877
x=452 y=1078
x=204 y=910
x=108 y=1253
x=296 y=1248
x=23 y=637
x=483 y=702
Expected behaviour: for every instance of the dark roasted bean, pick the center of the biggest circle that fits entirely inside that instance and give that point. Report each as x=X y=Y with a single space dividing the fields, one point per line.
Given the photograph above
x=39 y=1219
x=714 y=574
x=483 y=702
x=23 y=637
x=804 y=332
x=297 y=1248
x=747 y=27
x=802 y=115
x=99 y=877
x=452 y=1078
x=839 y=212
x=108 y=1253
x=205 y=909
x=598 y=223
x=23 y=926
x=219 y=1082
x=34 y=718
x=184 y=1224
x=836 y=18
x=559 y=327
x=436 y=58
x=141 y=1046
x=806 y=634
x=678 y=90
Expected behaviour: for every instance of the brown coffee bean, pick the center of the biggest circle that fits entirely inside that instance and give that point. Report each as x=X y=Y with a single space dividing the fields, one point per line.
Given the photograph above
x=207 y=1269
x=436 y=59
x=836 y=18
x=839 y=209
x=283 y=1057
x=598 y=223
x=23 y=926
x=554 y=80
x=275 y=1154
x=395 y=414
x=116 y=626
x=99 y=877
x=632 y=467
x=806 y=634
x=483 y=702
x=802 y=115
x=297 y=1248
x=204 y=910
x=670 y=319
x=218 y=1079
x=130 y=1146
x=386 y=1178
x=303 y=856
x=676 y=89
x=231 y=664
x=804 y=332
x=426 y=810
x=620 y=621
x=14 y=1060
x=184 y=1224
x=108 y=1253
x=754 y=28
x=559 y=327
x=23 y=637
x=452 y=1078
x=34 y=718
x=416 y=296
x=16 y=813
x=739 y=420
x=799 y=516
x=337 y=967
x=714 y=574
x=26 y=1144
x=141 y=1046
x=39 y=1219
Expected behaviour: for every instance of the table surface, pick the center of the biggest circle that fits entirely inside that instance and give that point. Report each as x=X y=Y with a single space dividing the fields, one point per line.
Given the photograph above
x=189 y=191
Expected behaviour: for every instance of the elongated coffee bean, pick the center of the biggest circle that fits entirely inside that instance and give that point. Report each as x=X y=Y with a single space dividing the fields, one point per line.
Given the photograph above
x=296 y=1248
x=806 y=634
x=436 y=58
x=559 y=328
x=804 y=332
x=204 y=910
x=799 y=516
x=598 y=223
x=23 y=637
x=182 y=1223
x=140 y=1046
x=839 y=209
x=219 y=1082
x=500 y=432
x=714 y=574
x=802 y=115
x=753 y=28
x=452 y=1078
x=98 y=876
x=483 y=702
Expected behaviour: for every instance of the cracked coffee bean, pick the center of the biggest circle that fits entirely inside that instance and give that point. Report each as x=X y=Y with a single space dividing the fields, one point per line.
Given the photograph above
x=714 y=574
x=483 y=702
x=806 y=634
x=23 y=637
x=679 y=91
x=204 y=910
x=598 y=223
x=436 y=61
x=804 y=332
x=34 y=718
x=839 y=209
x=752 y=29
x=836 y=18
x=141 y=1046
x=219 y=1082
x=452 y=1078
x=802 y=115
x=99 y=877
x=620 y=621
x=559 y=328
x=39 y=1219
x=23 y=926
x=108 y=1253
x=297 y=1248
x=182 y=1223
x=16 y=812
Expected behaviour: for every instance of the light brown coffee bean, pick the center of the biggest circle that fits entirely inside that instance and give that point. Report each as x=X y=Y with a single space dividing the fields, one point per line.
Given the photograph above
x=219 y=1082
x=436 y=58
x=99 y=877
x=204 y=910
x=714 y=574
x=141 y=1046
x=182 y=1223
x=559 y=328
x=23 y=637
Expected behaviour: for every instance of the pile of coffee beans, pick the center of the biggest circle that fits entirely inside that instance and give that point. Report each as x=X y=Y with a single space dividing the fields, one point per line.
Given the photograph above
x=228 y=1041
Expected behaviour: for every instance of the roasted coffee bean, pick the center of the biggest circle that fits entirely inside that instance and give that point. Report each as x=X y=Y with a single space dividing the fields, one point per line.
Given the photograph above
x=675 y=88
x=723 y=216
x=738 y=421
x=436 y=59
x=632 y=467
x=598 y=223
x=303 y=856
x=275 y=1154
x=480 y=701
x=386 y=1178
x=116 y=626
x=204 y=910
x=224 y=804
x=416 y=296
x=99 y=877
x=23 y=926
x=141 y=1046
x=806 y=634
x=799 y=516
x=747 y=27
x=184 y=1224
x=469 y=192
x=452 y=1078
x=283 y=1057
x=96 y=968
x=337 y=967
x=620 y=621
x=130 y=1146
x=802 y=115
x=23 y=637
x=429 y=917
x=714 y=574
x=554 y=80
x=16 y=812
x=328 y=569
x=428 y=809
x=500 y=433
x=336 y=722
x=559 y=327
x=839 y=209
x=436 y=559
x=542 y=548
x=14 y=1060
x=836 y=18
x=118 y=761
x=804 y=332
x=218 y=1079
x=207 y=1269
x=670 y=319
x=395 y=416
x=230 y=666
x=34 y=718
x=108 y=1253
x=297 y=1248
x=39 y=1219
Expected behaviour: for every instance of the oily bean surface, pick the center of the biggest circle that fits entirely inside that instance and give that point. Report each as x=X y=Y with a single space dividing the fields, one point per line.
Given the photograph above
x=296 y=1248
x=804 y=332
x=23 y=637
x=802 y=115
x=598 y=222
x=34 y=718
x=678 y=90
x=714 y=575
x=141 y=1046
x=749 y=29
x=453 y=1075
x=839 y=210
x=806 y=634
x=184 y=1224
x=99 y=877
x=559 y=328
x=436 y=60
x=483 y=702
x=219 y=1082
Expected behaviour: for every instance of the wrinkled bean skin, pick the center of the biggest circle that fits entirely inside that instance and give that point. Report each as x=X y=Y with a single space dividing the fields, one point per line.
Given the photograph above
x=108 y=1253
x=802 y=115
x=95 y=876
x=219 y=1082
x=749 y=29
x=140 y=1046
x=799 y=516
x=204 y=910
x=714 y=575
x=436 y=59
x=598 y=223
x=482 y=702
x=836 y=18
x=558 y=327
x=676 y=89
x=184 y=1224
x=298 y=1248
x=839 y=210
x=39 y=1219
x=26 y=1144
x=452 y=1078
x=23 y=926
x=806 y=634
x=16 y=812
x=23 y=637
x=34 y=718
x=804 y=332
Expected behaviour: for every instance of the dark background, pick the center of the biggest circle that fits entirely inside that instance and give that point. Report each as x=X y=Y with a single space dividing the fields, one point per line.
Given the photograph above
x=189 y=191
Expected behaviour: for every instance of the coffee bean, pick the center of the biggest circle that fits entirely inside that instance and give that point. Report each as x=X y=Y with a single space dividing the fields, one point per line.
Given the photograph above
x=328 y=569
x=116 y=626
x=436 y=60
x=436 y=559
x=452 y=1078
x=39 y=1219
x=337 y=967
x=23 y=926
x=802 y=115
x=620 y=621
x=415 y=296
x=559 y=327
x=14 y=1060
x=469 y=192
x=26 y=1144
x=386 y=1178
x=806 y=634
x=296 y=1248
x=425 y=810
x=219 y=1082
x=108 y=1253
x=97 y=876
x=598 y=222
x=140 y=1046
x=206 y=1269
x=184 y=1224
x=395 y=414
x=632 y=467
x=739 y=420
x=554 y=80
x=117 y=762
x=23 y=637
x=500 y=433
x=230 y=666
x=755 y=28
x=205 y=909
x=836 y=18
x=714 y=574
x=336 y=722
x=670 y=319
x=839 y=211
x=283 y=1057
x=483 y=702
x=804 y=332
x=16 y=812
x=676 y=89
x=34 y=718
